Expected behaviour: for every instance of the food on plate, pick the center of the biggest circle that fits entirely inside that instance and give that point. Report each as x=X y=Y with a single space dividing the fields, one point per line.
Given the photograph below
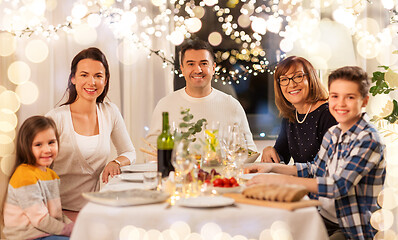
x=285 y=193
x=225 y=182
x=214 y=178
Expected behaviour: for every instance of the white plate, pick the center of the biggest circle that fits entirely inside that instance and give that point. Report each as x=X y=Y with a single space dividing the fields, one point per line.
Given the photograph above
x=132 y=177
x=126 y=198
x=141 y=167
x=206 y=202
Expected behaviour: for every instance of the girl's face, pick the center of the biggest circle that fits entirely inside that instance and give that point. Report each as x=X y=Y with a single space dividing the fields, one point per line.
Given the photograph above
x=89 y=79
x=45 y=148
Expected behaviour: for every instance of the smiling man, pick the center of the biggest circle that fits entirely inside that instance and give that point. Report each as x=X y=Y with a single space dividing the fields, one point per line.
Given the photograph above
x=197 y=64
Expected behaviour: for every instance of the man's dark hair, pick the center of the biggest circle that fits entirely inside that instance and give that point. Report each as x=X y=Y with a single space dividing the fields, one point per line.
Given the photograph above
x=195 y=44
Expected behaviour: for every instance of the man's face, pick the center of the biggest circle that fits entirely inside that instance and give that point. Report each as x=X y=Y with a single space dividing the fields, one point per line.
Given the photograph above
x=198 y=69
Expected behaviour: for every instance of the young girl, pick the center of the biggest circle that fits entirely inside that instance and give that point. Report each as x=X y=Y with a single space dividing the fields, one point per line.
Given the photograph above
x=33 y=207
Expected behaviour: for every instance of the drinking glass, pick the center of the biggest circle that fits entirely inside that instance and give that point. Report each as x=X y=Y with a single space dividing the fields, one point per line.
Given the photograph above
x=153 y=180
x=235 y=148
x=183 y=160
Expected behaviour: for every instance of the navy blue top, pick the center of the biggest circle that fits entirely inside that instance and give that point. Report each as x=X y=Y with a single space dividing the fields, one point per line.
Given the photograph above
x=303 y=140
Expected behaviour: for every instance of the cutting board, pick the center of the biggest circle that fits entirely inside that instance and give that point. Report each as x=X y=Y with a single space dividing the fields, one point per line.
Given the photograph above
x=240 y=198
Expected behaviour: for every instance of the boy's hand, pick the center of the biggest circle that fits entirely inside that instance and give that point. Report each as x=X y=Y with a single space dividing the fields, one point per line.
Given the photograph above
x=271 y=179
x=67 y=230
x=270 y=155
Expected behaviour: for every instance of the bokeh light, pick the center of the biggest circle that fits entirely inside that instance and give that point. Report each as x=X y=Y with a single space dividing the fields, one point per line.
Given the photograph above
x=9 y=100
x=8 y=44
x=158 y=3
x=176 y=37
x=244 y=21
x=79 y=11
x=94 y=20
x=127 y=53
x=199 y=11
x=7 y=137
x=193 y=236
x=209 y=230
x=7 y=149
x=210 y=2
x=170 y=234
x=368 y=26
x=28 y=92
x=193 y=24
x=84 y=34
x=259 y=25
x=286 y=45
x=368 y=47
x=18 y=72
x=152 y=234
x=382 y=219
x=129 y=232
x=265 y=235
x=387 y=198
x=385 y=57
x=7 y=164
x=8 y=120
x=181 y=228
x=36 y=51
x=385 y=235
x=215 y=38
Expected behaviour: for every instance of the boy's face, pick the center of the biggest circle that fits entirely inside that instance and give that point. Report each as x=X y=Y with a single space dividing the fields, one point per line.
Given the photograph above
x=346 y=102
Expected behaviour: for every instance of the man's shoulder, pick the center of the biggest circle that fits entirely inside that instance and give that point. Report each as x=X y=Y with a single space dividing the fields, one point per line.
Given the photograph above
x=176 y=94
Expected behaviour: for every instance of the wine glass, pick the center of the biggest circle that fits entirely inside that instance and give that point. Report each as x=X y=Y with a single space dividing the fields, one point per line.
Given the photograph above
x=182 y=160
x=235 y=148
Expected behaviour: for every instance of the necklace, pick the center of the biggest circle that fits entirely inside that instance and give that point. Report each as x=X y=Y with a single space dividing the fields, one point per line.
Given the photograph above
x=304 y=116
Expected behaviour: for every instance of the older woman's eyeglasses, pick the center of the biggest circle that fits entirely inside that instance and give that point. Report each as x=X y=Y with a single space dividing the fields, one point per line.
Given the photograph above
x=298 y=78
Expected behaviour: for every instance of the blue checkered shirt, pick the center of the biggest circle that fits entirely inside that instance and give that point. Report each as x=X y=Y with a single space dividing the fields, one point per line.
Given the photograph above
x=356 y=184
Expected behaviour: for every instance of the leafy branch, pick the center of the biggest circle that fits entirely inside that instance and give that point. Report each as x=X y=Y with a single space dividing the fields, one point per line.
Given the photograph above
x=188 y=127
x=381 y=86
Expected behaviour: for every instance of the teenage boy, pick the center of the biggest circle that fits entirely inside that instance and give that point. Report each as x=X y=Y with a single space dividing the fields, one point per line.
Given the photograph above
x=349 y=170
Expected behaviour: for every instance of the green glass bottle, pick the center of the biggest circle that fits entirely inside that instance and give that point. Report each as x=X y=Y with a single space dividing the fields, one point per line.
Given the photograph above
x=165 y=146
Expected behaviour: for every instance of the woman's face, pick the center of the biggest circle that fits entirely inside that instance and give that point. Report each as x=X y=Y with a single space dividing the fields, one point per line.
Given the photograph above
x=295 y=93
x=89 y=79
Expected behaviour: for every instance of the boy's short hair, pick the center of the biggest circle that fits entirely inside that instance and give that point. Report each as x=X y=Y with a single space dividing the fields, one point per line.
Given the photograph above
x=195 y=44
x=354 y=74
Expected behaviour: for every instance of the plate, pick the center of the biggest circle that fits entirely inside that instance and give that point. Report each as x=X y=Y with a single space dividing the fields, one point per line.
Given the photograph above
x=252 y=158
x=126 y=198
x=141 y=167
x=222 y=190
x=206 y=202
x=132 y=177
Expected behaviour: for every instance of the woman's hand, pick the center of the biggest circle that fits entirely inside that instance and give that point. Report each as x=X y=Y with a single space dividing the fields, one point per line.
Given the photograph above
x=270 y=155
x=259 y=168
x=111 y=169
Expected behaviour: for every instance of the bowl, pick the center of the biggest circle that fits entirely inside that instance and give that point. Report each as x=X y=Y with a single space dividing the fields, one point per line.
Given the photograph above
x=222 y=190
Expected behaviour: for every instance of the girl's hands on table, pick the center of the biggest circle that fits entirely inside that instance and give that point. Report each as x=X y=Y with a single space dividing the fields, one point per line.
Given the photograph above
x=270 y=155
x=111 y=169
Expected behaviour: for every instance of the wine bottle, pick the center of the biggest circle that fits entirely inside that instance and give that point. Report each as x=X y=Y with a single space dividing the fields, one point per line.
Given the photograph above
x=165 y=144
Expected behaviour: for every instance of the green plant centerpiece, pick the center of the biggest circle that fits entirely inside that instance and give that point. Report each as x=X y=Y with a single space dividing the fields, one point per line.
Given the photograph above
x=385 y=82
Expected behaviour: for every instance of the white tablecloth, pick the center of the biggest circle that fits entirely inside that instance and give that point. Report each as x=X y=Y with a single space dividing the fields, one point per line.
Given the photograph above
x=105 y=222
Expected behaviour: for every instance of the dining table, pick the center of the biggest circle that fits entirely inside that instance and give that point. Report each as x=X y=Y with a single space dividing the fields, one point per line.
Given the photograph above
x=162 y=220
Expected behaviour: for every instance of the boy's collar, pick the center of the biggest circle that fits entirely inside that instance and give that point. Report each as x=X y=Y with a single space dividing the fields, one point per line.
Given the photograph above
x=358 y=126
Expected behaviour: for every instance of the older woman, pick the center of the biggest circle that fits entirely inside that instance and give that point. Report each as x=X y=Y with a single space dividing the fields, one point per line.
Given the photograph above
x=302 y=103
x=86 y=125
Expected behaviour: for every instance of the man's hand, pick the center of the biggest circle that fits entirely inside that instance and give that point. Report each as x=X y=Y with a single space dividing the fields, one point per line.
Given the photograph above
x=111 y=169
x=270 y=155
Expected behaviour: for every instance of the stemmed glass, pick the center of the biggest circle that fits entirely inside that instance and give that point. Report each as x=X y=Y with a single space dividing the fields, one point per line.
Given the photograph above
x=233 y=142
x=182 y=160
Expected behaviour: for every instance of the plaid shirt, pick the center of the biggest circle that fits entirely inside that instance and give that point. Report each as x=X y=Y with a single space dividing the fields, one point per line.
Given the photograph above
x=356 y=184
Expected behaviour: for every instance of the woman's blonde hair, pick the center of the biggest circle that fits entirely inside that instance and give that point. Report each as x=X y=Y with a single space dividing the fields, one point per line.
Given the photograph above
x=317 y=92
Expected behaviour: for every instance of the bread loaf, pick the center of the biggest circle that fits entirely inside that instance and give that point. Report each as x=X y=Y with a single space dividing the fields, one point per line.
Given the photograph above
x=280 y=193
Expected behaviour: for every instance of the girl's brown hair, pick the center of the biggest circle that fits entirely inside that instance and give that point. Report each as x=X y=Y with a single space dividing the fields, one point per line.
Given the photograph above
x=28 y=131
x=317 y=91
